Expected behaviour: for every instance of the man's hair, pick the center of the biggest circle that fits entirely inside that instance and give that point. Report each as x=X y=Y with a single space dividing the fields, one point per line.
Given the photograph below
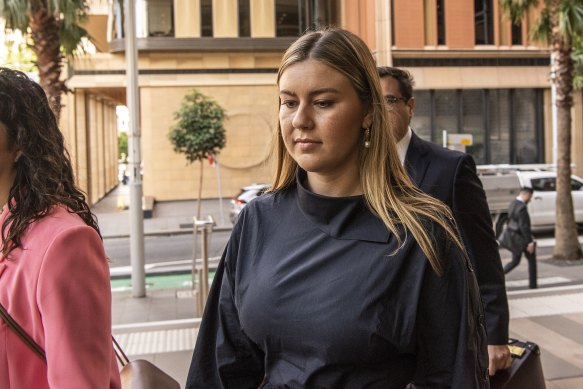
x=403 y=77
x=526 y=189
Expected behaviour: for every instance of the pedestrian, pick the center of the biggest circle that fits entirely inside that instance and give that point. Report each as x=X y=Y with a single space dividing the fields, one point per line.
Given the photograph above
x=450 y=176
x=343 y=275
x=54 y=275
x=517 y=236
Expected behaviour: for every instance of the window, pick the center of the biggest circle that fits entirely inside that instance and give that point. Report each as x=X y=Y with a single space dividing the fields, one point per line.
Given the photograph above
x=499 y=125
x=421 y=121
x=483 y=22
x=154 y=18
x=576 y=185
x=293 y=17
x=206 y=18
x=244 y=18
x=516 y=34
x=473 y=122
x=506 y=124
x=440 y=22
x=546 y=184
x=524 y=126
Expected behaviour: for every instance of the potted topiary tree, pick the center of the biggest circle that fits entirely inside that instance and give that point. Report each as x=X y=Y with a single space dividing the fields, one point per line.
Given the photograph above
x=198 y=132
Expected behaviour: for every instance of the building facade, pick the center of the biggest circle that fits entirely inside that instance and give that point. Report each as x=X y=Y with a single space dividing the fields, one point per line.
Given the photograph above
x=475 y=73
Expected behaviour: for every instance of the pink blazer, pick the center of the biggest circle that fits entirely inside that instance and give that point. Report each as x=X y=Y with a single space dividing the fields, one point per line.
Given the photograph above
x=56 y=286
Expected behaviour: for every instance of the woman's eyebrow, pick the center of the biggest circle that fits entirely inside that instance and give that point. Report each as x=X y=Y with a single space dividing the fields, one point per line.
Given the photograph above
x=312 y=93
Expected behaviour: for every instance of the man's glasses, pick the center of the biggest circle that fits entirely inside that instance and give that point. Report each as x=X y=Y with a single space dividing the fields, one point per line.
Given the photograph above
x=392 y=100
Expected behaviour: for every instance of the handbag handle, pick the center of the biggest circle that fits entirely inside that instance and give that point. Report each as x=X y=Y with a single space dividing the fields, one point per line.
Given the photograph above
x=12 y=324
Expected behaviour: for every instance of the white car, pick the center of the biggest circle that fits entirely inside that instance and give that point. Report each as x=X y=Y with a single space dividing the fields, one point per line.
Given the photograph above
x=247 y=194
x=542 y=206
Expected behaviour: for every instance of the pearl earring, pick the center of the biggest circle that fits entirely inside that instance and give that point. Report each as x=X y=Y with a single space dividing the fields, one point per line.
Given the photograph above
x=367 y=138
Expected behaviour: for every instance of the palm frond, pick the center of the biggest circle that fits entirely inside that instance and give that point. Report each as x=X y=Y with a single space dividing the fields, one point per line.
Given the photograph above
x=570 y=14
x=541 y=30
x=517 y=9
x=15 y=13
x=71 y=37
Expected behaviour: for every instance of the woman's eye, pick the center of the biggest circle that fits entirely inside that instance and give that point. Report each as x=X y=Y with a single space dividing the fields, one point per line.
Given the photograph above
x=323 y=103
x=289 y=103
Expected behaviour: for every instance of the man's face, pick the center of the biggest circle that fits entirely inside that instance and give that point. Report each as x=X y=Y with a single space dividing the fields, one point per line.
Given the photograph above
x=400 y=111
x=527 y=197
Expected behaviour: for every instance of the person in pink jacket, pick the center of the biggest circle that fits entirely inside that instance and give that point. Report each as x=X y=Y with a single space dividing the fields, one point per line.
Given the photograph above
x=54 y=276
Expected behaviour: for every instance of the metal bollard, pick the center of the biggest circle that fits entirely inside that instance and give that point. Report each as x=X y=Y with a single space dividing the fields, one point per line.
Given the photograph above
x=205 y=228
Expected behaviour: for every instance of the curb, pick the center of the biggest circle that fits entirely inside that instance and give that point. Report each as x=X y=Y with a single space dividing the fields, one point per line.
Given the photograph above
x=156 y=325
x=181 y=231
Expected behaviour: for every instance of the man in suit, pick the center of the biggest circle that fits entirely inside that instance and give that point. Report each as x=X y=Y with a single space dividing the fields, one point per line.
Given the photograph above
x=450 y=176
x=521 y=239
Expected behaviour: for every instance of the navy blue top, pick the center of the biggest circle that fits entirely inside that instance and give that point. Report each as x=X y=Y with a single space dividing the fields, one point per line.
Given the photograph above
x=314 y=292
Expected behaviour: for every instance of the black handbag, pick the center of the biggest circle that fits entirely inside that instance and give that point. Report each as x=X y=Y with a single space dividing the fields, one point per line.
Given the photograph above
x=526 y=370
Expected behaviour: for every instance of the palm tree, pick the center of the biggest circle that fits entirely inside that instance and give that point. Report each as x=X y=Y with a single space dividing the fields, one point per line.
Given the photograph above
x=54 y=28
x=561 y=24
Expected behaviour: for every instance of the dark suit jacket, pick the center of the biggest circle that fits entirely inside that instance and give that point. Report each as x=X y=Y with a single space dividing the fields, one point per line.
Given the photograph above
x=451 y=177
x=519 y=222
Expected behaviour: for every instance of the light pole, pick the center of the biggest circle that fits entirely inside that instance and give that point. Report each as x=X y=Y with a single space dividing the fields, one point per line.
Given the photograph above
x=135 y=159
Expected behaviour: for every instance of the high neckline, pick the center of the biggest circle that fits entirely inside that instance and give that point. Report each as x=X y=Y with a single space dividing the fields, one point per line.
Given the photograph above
x=340 y=217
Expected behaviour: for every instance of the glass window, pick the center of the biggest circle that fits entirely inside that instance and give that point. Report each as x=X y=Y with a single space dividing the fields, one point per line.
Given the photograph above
x=516 y=34
x=421 y=121
x=154 y=18
x=526 y=147
x=206 y=18
x=546 y=184
x=293 y=17
x=499 y=125
x=483 y=22
x=473 y=122
x=440 y=22
x=446 y=112
x=576 y=185
x=289 y=20
x=244 y=18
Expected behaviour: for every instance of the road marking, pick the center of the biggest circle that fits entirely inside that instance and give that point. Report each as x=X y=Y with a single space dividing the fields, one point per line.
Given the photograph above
x=540 y=281
x=546 y=305
x=156 y=342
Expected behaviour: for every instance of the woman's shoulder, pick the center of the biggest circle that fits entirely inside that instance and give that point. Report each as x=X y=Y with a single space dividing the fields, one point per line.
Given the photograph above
x=57 y=221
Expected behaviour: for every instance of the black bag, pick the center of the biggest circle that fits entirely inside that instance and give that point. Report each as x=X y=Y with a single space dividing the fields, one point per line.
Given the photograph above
x=526 y=370
x=512 y=240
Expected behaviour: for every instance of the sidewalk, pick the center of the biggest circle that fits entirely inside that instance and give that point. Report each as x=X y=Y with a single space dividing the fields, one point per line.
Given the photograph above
x=162 y=327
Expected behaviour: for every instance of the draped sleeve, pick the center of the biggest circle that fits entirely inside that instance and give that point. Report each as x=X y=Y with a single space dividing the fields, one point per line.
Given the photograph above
x=224 y=356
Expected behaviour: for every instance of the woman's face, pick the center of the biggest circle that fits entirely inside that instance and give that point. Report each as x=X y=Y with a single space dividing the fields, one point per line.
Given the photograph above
x=7 y=157
x=321 y=119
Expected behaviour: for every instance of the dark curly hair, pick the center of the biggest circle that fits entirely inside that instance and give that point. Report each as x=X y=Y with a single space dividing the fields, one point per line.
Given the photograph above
x=43 y=171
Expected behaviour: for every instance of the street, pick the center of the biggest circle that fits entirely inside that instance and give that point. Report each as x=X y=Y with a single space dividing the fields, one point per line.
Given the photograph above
x=160 y=249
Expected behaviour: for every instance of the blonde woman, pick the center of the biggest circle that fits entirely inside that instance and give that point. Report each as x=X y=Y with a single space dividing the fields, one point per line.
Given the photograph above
x=344 y=275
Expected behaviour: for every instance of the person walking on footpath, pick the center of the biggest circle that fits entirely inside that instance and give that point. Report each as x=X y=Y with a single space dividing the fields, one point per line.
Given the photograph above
x=54 y=275
x=343 y=275
x=517 y=236
x=450 y=176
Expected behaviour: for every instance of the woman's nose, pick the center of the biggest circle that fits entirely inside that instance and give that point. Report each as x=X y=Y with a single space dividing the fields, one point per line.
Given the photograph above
x=302 y=118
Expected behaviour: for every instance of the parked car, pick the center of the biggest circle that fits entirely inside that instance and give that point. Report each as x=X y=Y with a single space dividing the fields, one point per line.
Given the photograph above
x=502 y=184
x=247 y=194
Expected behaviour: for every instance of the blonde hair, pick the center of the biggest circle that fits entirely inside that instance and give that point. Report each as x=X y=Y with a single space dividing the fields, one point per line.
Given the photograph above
x=388 y=190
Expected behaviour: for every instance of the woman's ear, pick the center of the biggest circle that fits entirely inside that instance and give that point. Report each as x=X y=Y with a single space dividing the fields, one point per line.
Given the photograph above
x=367 y=121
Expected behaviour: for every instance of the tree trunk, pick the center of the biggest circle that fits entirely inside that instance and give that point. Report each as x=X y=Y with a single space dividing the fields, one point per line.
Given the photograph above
x=47 y=47
x=199 y=191
x=567 y=244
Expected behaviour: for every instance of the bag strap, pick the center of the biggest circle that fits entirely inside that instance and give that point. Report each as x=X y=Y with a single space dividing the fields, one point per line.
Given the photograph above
x=14 y=326
x=18 y=330
x=119 y=354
